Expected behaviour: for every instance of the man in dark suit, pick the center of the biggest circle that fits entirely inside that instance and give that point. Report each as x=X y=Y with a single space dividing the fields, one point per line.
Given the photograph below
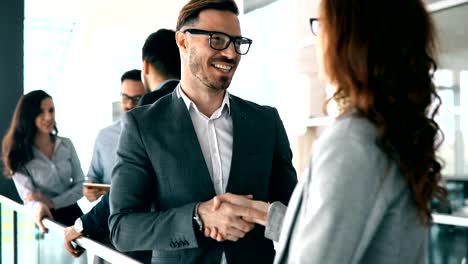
x=161 y=65
x=176 y=155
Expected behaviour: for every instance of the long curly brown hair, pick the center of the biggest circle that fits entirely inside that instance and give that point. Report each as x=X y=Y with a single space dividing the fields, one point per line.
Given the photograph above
x=381 y=54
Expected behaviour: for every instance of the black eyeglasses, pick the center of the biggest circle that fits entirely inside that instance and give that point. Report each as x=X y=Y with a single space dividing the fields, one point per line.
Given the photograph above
x=127 y=98
x=314 y=25
x=221 y=41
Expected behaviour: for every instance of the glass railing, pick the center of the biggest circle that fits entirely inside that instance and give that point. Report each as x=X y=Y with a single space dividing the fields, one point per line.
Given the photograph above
x=22 y=242
x=448 y=240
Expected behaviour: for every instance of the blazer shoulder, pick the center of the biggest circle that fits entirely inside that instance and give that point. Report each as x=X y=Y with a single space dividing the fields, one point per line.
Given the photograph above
x=147 y=113
x=354 y=126
x=249 y=106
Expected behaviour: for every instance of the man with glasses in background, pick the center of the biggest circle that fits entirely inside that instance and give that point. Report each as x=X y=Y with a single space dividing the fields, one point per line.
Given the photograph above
x=94 y=223
x=180 y=153
x=100 y=170
x=161 y=65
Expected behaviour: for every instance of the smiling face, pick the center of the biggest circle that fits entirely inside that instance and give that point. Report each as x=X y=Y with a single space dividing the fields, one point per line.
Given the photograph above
x=211 y=68
x=45 y=121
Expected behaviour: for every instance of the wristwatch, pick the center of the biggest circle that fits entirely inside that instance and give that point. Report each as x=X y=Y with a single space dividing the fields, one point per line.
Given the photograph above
x=78 y=225
x=197 y=218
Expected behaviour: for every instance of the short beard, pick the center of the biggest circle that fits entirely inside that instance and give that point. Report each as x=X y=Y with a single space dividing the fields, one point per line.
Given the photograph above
x=196 y=69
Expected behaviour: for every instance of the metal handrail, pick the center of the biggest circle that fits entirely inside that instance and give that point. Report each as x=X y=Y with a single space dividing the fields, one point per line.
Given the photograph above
x=444 y=5
x=452 y=220
x=92 y=247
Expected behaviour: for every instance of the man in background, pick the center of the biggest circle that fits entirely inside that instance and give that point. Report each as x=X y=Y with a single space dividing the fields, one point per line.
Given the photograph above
x=161 y=65
x=94 y=223
x=100 y=170
x=158 y=67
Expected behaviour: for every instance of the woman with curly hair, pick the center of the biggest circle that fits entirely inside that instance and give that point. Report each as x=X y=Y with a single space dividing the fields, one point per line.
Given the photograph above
x=366 y=198
x=45 y=167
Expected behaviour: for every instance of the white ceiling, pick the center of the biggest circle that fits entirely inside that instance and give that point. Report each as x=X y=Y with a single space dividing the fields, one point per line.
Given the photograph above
x=250 y=5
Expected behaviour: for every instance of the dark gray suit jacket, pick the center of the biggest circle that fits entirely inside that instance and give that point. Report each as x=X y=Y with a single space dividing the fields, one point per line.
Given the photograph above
x=161 y=174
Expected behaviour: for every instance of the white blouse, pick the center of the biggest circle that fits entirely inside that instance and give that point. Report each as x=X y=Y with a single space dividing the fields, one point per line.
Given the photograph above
x=59 y=179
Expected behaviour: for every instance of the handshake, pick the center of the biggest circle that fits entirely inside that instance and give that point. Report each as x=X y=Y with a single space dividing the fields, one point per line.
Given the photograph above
x=230 y=216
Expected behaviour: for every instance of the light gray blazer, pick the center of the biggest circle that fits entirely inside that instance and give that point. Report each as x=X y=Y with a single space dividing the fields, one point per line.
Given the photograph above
x=353 y=206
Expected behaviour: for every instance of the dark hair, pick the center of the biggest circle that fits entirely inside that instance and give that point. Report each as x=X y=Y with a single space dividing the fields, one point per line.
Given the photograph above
x=189 y=13
x=134 y=75
x=18 y=141
x=161 y=51
x=386 y=70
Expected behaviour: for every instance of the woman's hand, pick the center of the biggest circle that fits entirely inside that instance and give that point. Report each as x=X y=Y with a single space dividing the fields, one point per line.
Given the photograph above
x=42 y=211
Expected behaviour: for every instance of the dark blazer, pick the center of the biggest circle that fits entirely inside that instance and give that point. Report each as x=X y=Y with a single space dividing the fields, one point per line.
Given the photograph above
x=160 y=175
x=95 y=224
x=165 y=88
x=96 y=227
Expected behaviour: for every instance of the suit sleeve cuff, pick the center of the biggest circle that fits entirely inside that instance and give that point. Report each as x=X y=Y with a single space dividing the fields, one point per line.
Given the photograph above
x=275 y=221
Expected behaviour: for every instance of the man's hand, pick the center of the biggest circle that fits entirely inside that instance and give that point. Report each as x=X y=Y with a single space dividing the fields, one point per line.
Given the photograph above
x=71 y=234
x=228 y=218
x=258 y=215
x=42 y=212
x=92 y=193
x=40 y=197
x=240 y=200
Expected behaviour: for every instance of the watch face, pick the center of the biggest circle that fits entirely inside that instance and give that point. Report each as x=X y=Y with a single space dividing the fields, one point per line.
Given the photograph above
x=78 y=225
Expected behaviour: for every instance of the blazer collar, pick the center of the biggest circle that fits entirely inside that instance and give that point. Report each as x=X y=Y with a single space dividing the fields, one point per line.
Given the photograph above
x=188 y=140
x=242 y=126
x=188 y=102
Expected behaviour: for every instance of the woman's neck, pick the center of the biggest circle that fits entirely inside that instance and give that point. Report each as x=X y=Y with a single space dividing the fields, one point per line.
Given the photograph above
x=45 y=144
x=42 y=139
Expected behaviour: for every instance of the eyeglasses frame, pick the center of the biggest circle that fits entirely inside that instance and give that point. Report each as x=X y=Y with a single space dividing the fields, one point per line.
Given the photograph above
x=232 y=39
x=314 y=21
x=134 y=99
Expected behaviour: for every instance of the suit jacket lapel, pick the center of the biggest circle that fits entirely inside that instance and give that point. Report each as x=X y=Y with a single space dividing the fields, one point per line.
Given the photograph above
x=191 y=151
x=241 y=127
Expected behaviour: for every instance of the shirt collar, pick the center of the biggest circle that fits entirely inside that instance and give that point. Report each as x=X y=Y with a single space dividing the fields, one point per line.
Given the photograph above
x=188 y=102
x=58 y=141
x=165 y=82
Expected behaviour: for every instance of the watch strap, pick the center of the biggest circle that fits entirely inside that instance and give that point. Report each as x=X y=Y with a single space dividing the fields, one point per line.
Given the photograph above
x=197 y=218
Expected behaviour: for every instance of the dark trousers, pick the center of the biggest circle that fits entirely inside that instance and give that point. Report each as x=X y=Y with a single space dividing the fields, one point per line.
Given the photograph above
x=67 y=215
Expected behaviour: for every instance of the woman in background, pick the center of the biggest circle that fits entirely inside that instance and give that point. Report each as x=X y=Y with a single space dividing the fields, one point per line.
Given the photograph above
x=367 y=196
x=45 y=167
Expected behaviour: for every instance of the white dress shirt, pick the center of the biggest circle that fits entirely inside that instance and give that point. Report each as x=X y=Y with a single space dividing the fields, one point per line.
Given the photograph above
x=214 y=135
x=60 y=179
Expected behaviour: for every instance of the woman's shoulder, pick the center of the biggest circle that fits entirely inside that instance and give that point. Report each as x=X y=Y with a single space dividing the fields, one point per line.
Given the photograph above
x=63 y=142
x=351 y=128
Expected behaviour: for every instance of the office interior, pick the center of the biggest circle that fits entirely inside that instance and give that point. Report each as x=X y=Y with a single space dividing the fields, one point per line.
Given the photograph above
x=77 y=50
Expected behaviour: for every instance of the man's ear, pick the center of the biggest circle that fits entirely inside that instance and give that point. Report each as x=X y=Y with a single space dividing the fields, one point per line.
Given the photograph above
x=182 y=41
x=146 y=67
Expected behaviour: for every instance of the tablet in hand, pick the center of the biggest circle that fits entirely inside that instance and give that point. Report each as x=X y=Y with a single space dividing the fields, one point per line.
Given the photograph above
x=97 y=185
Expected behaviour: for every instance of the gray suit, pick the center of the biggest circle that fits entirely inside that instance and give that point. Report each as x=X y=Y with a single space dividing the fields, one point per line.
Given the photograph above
x=161 y=174
x=353 y=206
